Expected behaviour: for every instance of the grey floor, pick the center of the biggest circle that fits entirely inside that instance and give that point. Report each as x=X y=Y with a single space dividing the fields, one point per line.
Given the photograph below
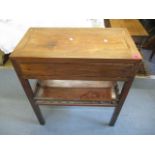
x=17 y=117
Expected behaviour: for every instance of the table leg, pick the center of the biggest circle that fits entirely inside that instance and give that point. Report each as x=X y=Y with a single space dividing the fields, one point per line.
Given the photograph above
x=152 y=54
x=29 y=93
x=123 y=95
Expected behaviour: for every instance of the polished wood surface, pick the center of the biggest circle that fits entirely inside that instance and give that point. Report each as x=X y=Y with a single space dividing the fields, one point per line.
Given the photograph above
x=80 y=43
x=134 y=27
x=92 y=54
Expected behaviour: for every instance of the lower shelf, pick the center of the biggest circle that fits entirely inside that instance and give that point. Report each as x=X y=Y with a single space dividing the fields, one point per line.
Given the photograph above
x=73 y=92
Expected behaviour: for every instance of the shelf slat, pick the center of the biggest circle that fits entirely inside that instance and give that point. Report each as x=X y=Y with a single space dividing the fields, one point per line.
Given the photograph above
x=76 y=103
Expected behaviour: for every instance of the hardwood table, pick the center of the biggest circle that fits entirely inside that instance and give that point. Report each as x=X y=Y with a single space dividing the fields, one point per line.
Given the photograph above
x=76 y=67
x=135 y=28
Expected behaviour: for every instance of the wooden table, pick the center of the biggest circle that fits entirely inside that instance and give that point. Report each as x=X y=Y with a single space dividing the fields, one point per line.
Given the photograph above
x=76 y=67
x=135 y=28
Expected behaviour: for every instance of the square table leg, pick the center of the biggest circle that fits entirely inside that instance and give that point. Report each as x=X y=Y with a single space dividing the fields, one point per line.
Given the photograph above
x=29 y=93
x=122 y=97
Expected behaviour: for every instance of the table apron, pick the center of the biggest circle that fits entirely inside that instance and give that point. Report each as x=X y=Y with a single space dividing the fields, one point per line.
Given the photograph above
x=80 y=71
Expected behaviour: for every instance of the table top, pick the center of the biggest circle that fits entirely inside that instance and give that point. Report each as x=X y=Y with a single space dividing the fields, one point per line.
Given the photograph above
x=79 y=43
x=134 y=27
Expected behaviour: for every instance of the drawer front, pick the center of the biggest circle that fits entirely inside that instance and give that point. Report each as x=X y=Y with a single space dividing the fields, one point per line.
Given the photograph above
x=81 y=71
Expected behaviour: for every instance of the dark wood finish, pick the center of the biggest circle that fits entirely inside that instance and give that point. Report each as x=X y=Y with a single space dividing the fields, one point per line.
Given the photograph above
x=152 y=54
x=76 y=103
x=122 y=97
x=83 y=71
x=3 y=58
x=6 y=57
x=107 y=23
x=29 y=93
x=150 y=45
x=91 y=54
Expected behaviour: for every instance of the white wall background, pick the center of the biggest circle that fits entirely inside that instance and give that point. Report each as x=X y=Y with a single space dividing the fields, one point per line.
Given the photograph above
x=74 y=9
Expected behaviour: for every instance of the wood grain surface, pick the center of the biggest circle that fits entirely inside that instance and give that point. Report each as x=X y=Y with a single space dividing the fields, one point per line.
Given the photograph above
x=76 y=90
x=81 y=43
x=134 y=27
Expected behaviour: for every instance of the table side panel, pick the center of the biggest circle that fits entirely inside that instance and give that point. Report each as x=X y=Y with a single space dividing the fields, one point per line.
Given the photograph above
x=77 y=70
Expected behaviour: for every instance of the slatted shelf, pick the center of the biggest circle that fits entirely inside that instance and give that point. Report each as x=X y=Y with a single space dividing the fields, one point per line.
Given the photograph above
x=73 y=92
